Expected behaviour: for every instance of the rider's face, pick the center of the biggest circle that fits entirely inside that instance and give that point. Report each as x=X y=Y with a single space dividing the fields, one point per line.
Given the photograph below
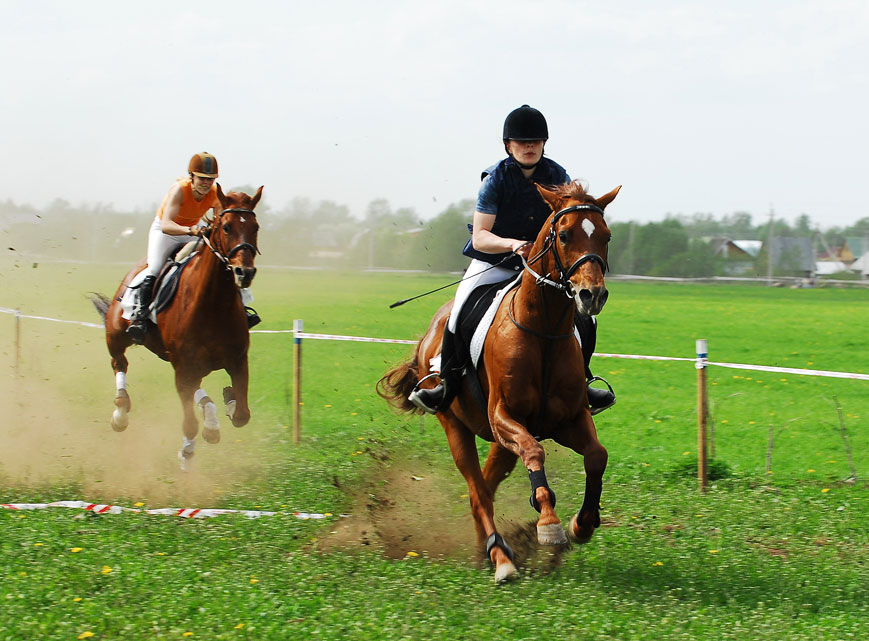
x=202 y=185
x=527 y=152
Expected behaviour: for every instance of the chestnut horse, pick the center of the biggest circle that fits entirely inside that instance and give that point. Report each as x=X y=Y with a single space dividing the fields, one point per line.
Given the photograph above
x=532 y=374
x=204 y=328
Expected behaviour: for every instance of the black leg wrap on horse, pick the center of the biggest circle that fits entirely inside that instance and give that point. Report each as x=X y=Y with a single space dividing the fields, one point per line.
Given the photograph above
x=538 y=479
x=497 y=539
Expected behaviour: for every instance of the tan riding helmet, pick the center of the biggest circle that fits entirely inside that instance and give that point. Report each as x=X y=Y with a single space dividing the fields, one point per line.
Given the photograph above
x=204 y=165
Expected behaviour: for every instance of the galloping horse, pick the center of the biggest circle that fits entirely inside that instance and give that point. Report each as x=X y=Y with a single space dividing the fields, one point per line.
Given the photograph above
x=204 y=327
x=532 y=376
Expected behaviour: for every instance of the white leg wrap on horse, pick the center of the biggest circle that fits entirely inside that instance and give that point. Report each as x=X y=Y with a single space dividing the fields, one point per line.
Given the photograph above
x=246 y=295
x=210 y=413
x=198 y=395
x=552 y=534
x=188 y=446
x=121 y=380
x=230 y=409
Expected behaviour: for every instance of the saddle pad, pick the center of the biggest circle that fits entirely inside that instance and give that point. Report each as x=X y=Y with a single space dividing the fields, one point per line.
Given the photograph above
x=482 y=328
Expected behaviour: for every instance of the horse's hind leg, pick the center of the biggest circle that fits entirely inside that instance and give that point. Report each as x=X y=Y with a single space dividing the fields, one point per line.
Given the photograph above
x=186 y=385
x=235 y=397
x=120 y=416
x=464 y=451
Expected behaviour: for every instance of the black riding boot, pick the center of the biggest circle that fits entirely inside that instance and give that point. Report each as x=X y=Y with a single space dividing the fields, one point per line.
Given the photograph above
x=139 y=316
x=598 y=399
x=440 y=397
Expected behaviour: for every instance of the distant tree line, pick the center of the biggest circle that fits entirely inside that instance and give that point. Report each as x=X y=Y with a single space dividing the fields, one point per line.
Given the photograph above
x=324 y=233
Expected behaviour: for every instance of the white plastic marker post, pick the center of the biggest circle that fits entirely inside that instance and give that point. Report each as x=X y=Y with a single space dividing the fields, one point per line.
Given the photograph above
x=17 y=344
x=298 y=326
x=702 y=466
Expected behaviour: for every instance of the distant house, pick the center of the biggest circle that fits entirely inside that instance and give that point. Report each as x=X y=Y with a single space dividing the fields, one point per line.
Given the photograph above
x=861 y=265
x=738 y=255
x=853 y=248
x=792 y=257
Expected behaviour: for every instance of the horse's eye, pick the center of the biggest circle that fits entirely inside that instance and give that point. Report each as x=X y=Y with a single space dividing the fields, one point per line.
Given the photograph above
x=226 y=228
x=562 y=236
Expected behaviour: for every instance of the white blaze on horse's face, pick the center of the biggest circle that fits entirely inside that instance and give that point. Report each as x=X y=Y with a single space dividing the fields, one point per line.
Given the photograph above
x=588 y=227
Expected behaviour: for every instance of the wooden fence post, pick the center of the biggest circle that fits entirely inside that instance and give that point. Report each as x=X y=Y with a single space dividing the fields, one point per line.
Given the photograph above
x=702 y=464
x=297 y=382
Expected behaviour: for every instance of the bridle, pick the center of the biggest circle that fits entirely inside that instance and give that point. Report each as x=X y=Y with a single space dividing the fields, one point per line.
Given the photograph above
x=563 y=281
x=223 y=255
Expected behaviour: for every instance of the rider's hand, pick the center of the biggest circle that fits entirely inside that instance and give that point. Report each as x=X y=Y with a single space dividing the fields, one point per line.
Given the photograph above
x=522 y=248
x=196 y=230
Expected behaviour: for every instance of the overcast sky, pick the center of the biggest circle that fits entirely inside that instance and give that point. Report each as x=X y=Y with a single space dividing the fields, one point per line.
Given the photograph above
x=710 y=107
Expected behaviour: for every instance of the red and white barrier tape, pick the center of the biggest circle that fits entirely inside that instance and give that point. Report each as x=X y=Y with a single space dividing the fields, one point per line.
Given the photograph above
x=187 y=513
x=363 y=339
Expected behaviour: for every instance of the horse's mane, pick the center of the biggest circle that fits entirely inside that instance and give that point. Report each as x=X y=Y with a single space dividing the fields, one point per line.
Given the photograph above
x=574 y=189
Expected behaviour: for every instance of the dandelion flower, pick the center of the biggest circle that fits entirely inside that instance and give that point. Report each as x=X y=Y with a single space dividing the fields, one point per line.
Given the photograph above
x=106 y=569
x=187 y=634
x=412 y=554
x=239 y=626
x=825 y=490
x=657 y=563
x=76 y=599
x=75 y=549
x=713 y=551
x=87 y=634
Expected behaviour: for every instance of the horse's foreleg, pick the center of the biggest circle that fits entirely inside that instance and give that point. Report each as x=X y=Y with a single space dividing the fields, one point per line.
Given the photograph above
x=514 y=437
x=584 y=441
x=235 y=397
x=464 y=451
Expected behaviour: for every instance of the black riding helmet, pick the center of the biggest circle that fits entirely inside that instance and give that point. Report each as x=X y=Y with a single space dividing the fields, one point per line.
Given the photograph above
x=525 y=123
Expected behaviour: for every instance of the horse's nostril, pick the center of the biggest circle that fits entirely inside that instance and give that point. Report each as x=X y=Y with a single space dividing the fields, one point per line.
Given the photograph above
x=586 y=297
x=603 y=297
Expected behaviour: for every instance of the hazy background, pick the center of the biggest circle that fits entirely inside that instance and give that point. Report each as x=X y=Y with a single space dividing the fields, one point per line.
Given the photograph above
x=714 y=108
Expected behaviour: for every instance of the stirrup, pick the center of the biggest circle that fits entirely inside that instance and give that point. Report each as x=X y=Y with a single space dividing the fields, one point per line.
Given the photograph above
x=137 y=330
x=415 y=396
x=253 y=318
x=610 y=403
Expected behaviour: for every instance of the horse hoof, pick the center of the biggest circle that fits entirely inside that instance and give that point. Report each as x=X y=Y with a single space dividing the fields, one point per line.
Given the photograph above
x=211 y=435
x=505 y=573
x=552 y=534
x=582 y=536
x=120 y=420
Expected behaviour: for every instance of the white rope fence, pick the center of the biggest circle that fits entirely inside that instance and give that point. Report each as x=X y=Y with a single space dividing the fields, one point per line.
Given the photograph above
x=300 y=335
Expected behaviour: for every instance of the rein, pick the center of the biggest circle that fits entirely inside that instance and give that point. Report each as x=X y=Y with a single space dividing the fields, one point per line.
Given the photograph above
x=226 y=256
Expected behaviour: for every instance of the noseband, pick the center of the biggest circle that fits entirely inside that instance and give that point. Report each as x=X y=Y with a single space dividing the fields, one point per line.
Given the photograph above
x=226 y=256
x=564 y=274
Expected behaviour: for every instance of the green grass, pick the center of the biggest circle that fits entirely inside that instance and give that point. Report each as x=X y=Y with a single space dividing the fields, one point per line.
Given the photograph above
x=760 y=556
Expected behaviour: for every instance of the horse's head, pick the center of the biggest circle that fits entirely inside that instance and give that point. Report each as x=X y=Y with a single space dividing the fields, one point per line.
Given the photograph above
x=234 y=233
x=578 y=237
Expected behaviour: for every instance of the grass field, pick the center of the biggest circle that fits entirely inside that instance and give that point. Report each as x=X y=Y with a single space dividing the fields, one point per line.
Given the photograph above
x=760 y=556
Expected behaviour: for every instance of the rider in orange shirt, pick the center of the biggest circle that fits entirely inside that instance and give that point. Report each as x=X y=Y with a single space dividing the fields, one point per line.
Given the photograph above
x=176 y=223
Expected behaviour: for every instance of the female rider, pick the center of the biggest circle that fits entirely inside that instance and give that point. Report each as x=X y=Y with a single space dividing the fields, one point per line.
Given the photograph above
x=510 y=212
x=176 y=223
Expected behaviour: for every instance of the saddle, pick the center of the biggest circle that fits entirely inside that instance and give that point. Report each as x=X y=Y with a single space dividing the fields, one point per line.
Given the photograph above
x=475 y=319
x=166 y=285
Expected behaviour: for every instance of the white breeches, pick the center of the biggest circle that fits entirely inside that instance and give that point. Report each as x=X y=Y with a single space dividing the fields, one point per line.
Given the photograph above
x=475 y=276
x=160 y=245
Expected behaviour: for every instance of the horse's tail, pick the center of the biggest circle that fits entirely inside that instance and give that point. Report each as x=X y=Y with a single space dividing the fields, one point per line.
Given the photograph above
x=101 y=302
x=397 y=384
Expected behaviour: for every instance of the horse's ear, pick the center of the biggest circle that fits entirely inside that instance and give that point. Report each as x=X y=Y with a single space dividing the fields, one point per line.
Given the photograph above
x=220 y=196
x=551 y=198
x=256 y=197
x=606 y=199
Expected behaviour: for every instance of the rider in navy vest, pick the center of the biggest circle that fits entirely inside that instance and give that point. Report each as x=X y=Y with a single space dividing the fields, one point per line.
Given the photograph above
x=510 y=213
